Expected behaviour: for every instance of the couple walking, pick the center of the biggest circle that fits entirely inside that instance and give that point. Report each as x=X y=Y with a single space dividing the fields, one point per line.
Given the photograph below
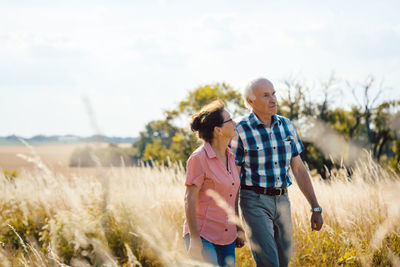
x=263 y=146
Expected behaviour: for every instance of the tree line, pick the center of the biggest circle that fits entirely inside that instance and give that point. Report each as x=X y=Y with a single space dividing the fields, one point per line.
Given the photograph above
x=368 y=122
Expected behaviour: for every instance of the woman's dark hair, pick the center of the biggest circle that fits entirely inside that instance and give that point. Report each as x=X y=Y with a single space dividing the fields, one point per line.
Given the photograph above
x=209 y=117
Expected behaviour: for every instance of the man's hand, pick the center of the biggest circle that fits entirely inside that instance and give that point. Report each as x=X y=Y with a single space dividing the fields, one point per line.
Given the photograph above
x=195 y=248
x=241 y=238
x=316 y=221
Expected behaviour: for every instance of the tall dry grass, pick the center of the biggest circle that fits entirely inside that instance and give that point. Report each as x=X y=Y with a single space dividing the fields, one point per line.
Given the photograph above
x=133 y=216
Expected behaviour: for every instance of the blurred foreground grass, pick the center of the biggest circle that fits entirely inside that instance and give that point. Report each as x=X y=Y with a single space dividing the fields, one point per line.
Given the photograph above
x=133 y=216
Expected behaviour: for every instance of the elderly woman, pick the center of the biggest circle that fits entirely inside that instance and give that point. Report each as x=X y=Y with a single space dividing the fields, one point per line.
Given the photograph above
x=209 y=235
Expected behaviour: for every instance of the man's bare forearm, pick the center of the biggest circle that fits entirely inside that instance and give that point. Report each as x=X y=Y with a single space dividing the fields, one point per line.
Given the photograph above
x=306 y=187
x=304 y=182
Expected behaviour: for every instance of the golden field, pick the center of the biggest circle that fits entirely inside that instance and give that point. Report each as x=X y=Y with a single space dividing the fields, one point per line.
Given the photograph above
x=54 y=155
x=53 y=215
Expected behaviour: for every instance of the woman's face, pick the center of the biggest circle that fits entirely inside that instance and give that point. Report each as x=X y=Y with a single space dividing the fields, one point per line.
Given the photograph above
x=228 y=126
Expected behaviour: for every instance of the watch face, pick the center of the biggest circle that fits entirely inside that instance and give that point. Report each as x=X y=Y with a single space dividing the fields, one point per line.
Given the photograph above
x=317 y=209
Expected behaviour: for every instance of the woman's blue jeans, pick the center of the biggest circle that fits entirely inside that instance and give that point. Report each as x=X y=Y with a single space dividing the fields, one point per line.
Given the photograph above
x=218 y=255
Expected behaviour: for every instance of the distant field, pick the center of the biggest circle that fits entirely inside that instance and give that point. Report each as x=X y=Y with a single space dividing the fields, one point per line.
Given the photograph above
x=56 y=156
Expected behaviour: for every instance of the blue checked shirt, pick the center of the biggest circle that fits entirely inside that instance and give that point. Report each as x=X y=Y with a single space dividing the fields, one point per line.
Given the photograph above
x=265 y=153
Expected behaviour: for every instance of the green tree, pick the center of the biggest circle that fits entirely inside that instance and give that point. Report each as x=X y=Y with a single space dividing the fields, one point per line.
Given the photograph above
x=367 y=123
x=292 y=103
x=162 y=130
x=344 y=122
x=383 y=135
x=155 y=151
x=183 y=144
x=203 y=95
x=164 y=140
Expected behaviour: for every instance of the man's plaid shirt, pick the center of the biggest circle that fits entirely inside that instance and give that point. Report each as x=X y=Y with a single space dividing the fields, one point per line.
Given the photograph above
x=265 y=153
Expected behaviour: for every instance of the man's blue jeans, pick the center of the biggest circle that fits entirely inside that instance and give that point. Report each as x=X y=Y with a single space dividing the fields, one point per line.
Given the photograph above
x=218 y=255
x=270 y=223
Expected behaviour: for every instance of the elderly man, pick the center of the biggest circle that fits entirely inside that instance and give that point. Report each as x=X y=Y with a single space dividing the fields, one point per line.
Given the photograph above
x=266 y=147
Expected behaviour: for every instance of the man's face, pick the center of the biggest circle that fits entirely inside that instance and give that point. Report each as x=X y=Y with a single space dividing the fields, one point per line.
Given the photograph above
x=265 y=102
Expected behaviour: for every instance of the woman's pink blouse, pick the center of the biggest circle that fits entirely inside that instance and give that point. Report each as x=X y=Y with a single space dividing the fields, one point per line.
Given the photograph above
x=206 y=171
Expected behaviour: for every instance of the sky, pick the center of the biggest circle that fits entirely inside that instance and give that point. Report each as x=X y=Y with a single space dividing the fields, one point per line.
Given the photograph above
x=134 y=59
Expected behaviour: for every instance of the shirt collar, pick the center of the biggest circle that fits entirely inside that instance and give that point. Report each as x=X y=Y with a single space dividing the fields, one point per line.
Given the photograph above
x=255 y=121
x=230 y=152
x=211 y=153
x=275 y=120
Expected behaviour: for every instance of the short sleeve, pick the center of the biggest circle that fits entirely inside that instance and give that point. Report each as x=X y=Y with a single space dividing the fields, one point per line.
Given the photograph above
x=298 y=146
x=194 y=171
x=237 y=147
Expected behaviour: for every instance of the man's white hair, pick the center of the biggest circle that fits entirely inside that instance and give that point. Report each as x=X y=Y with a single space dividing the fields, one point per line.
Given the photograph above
x=248 y=91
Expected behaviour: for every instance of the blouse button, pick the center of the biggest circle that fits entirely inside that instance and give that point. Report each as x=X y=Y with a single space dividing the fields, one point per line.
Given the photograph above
x=230 y=195
x=226 y=230
x=233 y=183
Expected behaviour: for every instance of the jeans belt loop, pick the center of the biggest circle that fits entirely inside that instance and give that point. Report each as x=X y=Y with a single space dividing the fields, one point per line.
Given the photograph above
x=265 y=190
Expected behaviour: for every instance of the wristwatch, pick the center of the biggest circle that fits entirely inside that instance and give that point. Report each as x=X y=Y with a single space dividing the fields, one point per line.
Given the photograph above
x=316 y=209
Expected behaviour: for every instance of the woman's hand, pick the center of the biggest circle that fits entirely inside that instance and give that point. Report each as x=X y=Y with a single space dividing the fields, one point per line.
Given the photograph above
x=241 y=238
x=195 y=248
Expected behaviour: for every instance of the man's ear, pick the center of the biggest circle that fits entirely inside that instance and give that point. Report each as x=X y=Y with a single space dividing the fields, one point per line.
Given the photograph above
x=249 y=100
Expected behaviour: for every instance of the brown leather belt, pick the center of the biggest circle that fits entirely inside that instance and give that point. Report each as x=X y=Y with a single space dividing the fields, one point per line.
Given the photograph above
x=270 y=191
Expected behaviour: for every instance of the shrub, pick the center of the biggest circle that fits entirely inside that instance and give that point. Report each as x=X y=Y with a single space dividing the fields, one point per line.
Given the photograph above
x=111 y=155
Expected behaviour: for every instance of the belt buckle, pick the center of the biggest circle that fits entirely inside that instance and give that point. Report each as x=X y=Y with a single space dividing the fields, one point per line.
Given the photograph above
x=280 y=191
